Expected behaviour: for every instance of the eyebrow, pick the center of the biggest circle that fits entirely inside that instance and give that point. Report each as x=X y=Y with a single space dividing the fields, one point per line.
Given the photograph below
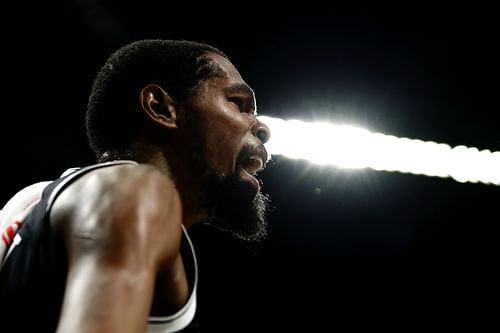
x=240 y=88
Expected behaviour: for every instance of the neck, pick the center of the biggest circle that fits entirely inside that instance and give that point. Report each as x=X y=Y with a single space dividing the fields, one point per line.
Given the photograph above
x=176 y=170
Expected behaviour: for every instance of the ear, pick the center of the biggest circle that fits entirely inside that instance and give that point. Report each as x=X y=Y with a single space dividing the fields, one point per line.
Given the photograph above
x=158 y=106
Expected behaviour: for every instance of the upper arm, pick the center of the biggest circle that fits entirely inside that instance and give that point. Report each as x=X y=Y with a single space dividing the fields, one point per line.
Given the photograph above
x=119 y=225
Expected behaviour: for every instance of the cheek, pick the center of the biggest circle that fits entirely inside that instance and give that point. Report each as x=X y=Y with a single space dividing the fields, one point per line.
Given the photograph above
x=223 y=144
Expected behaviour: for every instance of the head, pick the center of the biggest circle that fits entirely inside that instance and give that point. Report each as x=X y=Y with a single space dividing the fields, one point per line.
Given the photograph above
x=188 y=102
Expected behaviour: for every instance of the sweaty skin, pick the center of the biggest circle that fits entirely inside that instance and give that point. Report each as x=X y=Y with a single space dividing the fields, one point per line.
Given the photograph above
x=121 y=225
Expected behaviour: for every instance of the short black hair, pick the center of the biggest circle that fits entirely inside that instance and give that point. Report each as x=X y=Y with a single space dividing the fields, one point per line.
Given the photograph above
x=112 y=118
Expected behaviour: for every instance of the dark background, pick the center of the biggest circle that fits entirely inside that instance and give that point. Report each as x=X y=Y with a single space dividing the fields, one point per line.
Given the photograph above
x=347 y=249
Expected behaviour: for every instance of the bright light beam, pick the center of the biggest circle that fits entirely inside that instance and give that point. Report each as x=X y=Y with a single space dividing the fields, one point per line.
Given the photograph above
x=352 y=147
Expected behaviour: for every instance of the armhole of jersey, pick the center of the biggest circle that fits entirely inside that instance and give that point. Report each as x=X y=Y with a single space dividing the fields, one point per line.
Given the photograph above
x=183 y=317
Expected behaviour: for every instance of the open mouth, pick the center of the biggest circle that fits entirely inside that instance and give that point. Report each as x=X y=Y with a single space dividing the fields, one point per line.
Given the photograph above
x=253 y=160
x=253 y=165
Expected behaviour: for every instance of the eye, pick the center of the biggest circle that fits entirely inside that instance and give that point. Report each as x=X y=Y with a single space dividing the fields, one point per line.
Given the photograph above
x=236 y=100
x=243 y=104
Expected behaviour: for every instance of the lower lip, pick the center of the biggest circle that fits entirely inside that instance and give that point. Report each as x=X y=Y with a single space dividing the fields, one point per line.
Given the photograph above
x=246 y=177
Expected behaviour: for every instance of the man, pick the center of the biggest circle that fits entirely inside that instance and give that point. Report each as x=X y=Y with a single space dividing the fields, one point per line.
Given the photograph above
x=104 y=249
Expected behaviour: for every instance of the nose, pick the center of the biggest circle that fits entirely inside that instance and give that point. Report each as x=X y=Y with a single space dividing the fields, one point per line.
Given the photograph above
x=261 y=131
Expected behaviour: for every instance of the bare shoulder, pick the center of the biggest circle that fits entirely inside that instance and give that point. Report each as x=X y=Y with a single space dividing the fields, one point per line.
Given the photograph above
x=124 y=206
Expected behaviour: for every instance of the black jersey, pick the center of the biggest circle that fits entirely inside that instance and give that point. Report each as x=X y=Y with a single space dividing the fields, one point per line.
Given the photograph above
x=33 y=274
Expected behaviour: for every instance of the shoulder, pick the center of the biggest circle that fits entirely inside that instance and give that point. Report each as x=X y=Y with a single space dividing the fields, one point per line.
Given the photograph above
x=117 y=187
x=121 y=205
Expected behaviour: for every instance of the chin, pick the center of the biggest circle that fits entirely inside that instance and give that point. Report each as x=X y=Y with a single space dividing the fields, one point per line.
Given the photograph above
x=238 y=209
x=249 y=226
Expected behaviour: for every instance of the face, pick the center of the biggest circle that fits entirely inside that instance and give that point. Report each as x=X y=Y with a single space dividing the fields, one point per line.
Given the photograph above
x=233 y=152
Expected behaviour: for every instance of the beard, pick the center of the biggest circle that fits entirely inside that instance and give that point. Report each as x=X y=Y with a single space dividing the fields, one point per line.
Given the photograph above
x=236 y=208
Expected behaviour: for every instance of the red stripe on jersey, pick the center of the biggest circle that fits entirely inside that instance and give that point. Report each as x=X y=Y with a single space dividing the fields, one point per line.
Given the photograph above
x=10 y=232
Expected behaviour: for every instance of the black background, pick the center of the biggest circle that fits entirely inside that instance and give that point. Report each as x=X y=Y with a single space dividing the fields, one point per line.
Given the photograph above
x=347 y=249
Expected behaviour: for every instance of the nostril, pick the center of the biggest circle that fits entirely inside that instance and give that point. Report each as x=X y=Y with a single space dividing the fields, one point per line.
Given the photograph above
x=261 y=131
x=262 y=135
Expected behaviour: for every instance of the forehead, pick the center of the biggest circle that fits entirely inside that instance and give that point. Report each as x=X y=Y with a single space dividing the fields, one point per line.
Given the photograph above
x=228 y=71
x=228 y=78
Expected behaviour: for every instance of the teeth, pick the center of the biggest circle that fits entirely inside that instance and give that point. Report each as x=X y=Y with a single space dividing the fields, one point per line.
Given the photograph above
x=254 y=165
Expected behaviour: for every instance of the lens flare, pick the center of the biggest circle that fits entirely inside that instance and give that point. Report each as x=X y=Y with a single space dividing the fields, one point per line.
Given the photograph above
x=356 y=148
